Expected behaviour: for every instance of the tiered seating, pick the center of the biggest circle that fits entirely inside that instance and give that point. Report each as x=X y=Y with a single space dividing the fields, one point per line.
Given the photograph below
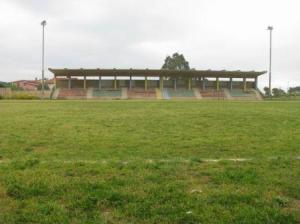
x=243 y=95
x=72 y=94
x=212 y=94
x=140 y=93
x=180 y=93
x=239 y=93
x=107 y=94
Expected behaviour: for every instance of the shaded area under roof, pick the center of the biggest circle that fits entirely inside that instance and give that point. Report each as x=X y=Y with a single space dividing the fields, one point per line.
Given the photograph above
x=155 y=73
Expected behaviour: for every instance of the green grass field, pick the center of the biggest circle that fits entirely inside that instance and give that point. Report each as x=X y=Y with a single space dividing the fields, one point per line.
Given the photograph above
x=149 y=162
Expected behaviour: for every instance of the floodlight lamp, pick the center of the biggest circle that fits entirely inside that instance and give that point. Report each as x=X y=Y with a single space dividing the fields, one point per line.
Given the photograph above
x=43 y=23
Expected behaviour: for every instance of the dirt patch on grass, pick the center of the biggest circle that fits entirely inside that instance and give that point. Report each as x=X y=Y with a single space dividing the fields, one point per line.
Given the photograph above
x=294 y=209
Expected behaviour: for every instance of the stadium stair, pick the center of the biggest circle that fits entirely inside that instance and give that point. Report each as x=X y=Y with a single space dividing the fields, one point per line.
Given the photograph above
x=197 y=94
x=227 y=94
x=258 y=94
x=89 y=94
x=158 y=94
x=55 y=93
x=124 y=94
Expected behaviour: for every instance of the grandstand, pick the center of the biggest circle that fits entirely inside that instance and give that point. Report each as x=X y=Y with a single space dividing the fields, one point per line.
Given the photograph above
x=154 y=84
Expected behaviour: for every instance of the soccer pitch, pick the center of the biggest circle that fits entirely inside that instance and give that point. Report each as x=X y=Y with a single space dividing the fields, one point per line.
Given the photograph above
x=149 y=162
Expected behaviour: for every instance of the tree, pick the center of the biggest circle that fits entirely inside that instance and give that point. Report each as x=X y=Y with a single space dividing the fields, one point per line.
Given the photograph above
x=46 y=87
x=176 y=62
x=267 y=92
x=277 y=92
x=294 y=90
x=3 y=85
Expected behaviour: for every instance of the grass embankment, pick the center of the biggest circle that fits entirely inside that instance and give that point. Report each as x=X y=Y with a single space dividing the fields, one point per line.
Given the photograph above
x=149 y=162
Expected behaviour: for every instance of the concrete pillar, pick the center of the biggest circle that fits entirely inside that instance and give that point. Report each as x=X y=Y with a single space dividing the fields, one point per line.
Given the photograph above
x=245 y=84
x=115 y=83
x=84 y=82
x=175 y=83
x=54 y=81
x=218 y=83
x=203 y=83
x=255 y=83
x=69 y=82
x=146 y=83
x=230 y=84
x=99 y=82
x=161 y=82
x=190 y=83
x=130 y=79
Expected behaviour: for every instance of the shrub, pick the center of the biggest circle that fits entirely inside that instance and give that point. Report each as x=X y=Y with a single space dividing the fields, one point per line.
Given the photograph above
x=23 y=96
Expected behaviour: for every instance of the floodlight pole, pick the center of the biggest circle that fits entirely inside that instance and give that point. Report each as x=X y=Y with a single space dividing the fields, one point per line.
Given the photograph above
x=43 y=58
x=270 y=28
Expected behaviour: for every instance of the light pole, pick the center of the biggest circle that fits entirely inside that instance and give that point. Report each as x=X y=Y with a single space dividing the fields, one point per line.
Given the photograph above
x=43 y=23
x=270 y=28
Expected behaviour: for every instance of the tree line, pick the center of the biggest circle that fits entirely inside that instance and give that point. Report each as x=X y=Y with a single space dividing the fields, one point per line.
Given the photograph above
x=278 y=92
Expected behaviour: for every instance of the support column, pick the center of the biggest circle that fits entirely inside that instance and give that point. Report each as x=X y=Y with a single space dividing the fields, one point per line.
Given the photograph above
x=230 y=84
x=161 y=82
x=115 y=83
x=99 y=82
x=218 y=83
x=245 y=84
x=130 y=79
x=146 y=83
x=84 y=82
x=255 y=83
x=69 y=82
x=203 y=83
x=190 y=83
x=175 y=83
x=54 y=81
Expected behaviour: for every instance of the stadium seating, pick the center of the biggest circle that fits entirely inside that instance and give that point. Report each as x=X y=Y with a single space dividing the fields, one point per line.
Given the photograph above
x=178 y=93
x=239 y=94
x=166 y=93
x=72 y=94
x=212 y=94
x=107 y=94
x=141 y=93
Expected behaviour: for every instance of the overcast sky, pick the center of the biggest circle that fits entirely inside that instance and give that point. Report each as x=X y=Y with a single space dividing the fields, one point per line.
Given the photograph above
x=212 y=34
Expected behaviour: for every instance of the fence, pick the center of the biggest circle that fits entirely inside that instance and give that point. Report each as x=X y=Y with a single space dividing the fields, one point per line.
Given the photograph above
x=23 y=94
x=5 y=92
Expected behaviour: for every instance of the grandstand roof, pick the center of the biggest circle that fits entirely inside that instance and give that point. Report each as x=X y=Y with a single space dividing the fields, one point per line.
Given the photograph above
x=155 y=72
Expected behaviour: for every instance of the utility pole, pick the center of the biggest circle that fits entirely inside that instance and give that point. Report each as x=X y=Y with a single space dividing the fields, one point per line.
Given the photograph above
x=270 y=28
x=43 y=58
